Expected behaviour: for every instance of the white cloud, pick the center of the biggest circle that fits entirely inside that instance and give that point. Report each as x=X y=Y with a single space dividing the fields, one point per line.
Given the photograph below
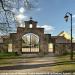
x=48 y=28
x=21 y=17
x=21 y=10
x=73 y=16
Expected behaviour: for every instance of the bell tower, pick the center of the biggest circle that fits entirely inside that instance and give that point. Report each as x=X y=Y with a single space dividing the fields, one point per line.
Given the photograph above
x=31 y=23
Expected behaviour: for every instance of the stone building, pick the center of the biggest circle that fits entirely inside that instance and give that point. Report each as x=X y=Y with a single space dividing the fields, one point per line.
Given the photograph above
x=62 y=43
x=27 y=39
x=31 y=39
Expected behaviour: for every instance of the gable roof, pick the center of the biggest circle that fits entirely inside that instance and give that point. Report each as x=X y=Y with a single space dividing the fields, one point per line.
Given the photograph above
x=65 y=35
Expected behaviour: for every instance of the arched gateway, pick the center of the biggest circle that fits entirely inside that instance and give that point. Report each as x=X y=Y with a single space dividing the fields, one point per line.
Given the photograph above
x=29 y=39
x=30 y=43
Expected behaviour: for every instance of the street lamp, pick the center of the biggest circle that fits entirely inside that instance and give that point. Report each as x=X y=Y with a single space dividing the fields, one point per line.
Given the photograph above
x=66 y=19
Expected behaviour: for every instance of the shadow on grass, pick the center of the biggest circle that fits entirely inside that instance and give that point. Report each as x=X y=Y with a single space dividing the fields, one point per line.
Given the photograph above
x=69 y=71
x=31 y=66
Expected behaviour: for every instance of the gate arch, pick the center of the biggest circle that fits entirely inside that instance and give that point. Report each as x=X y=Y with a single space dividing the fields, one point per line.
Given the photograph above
x=35 y=31
x=30 y=43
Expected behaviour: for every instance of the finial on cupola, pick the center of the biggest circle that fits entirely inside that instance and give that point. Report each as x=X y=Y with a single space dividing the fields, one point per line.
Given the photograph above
x=30 y=18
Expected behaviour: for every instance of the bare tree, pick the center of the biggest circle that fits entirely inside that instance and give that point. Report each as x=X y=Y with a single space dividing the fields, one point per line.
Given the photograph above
x=7 y=13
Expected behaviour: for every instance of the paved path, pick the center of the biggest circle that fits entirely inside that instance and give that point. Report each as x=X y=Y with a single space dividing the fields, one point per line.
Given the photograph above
x=28 y=65
x=31 y=66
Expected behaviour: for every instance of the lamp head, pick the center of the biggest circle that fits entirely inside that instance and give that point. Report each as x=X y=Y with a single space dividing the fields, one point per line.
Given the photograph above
x=66 y=18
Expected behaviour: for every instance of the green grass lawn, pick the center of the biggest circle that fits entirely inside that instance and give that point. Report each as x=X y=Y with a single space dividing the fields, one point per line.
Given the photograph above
x=7 y=55
x=62 y=68
x=64 y=64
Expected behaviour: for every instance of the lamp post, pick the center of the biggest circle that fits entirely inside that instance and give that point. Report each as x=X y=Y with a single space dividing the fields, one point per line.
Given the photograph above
x=66 y=19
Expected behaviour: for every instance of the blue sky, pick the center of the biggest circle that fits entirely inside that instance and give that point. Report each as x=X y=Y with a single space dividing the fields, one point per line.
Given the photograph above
x=48 y=13
x=51 y=13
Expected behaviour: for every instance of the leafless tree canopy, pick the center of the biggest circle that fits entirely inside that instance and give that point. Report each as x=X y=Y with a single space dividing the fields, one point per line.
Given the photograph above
x=7 y=16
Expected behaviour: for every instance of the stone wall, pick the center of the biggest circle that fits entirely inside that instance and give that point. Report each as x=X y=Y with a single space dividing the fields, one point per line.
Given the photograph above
x=17 y=38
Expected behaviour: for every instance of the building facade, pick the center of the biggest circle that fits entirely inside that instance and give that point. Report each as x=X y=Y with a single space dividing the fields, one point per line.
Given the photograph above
x=31 y=39
x=27 y=39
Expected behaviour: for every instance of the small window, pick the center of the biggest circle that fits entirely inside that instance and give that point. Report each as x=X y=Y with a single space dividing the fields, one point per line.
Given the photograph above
x=50 y=47
x=10 y=47
x=30 y=26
